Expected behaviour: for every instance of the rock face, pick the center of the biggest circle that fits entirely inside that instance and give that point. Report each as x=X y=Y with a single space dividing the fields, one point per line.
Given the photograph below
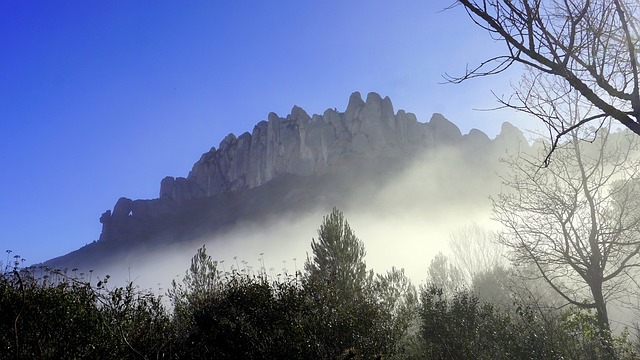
x=303 y=145
x=299 y=145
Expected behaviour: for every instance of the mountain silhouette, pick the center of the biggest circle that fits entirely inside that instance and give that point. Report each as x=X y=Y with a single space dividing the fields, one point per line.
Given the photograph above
x=291 y=164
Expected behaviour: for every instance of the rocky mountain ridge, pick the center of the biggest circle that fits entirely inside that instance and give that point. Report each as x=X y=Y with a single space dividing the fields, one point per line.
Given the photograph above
x=302 y=145
x=279 y=160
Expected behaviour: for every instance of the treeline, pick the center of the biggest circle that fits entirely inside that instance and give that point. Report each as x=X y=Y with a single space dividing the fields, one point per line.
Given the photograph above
x=334 y=309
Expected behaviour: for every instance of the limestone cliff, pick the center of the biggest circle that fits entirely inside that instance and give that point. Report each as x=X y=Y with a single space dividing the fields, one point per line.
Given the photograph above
x=296 y=145
x=304 y=145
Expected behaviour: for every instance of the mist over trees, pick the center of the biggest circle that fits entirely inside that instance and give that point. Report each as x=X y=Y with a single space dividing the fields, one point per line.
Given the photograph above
x=570 y=230
x=334 y=309
x=475 y=250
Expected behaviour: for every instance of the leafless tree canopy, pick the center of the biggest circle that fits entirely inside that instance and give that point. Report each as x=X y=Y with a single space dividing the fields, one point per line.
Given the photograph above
x=577 y=221
x=475 y=250
x=592 y=45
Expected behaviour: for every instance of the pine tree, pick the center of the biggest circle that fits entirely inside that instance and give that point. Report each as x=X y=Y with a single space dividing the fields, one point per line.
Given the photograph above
x=338 y=255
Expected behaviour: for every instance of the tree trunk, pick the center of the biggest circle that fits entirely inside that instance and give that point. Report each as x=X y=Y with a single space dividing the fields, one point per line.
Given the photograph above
x=604 y=331
x=601 y=308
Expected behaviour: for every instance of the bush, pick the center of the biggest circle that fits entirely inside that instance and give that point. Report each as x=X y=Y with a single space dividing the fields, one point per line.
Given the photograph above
x=57 y=316
x=49 y=318
x=461 y=327
x=248 y=318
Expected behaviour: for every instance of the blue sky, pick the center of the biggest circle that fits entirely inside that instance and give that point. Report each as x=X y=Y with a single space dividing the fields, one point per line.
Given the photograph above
x=102 y=99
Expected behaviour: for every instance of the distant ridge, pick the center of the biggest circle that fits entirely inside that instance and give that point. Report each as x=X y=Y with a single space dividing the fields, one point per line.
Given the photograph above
x=283 y=163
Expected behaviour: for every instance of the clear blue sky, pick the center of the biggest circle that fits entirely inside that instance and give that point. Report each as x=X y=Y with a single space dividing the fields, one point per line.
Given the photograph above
x=102 y=99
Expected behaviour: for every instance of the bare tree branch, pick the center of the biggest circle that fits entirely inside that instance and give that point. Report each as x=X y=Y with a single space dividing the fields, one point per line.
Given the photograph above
x=590 y=45
x=578 y=221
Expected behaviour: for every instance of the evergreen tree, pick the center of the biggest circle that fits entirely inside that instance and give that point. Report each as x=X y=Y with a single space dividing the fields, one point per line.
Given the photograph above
x=345 y=314
x=338 y=256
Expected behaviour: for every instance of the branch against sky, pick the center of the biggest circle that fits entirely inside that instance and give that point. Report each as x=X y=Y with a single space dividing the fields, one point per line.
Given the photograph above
x=591 y=45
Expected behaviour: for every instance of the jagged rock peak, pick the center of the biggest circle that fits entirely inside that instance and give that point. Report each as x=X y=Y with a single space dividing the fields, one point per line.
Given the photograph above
x=511 y=136
x=298 y=115
x=509 y=129
x=354 y=106
x=440 y=131
x=476 y=137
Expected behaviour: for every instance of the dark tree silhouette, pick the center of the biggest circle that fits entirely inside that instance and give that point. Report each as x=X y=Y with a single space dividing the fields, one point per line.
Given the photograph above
x=591 y=45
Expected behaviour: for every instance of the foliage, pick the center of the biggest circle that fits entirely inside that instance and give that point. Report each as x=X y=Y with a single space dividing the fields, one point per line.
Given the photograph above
x=337 y=325
x=494 y=286
x=137 y=321
x=338 y=257
x=336 y=307
x=48 y=319
x=348 y=304
x=237 y=316
x=398 y=300
x=458 y=329
x=462 y=327
x=58 y=316
x=248 y=318
x=199 y=281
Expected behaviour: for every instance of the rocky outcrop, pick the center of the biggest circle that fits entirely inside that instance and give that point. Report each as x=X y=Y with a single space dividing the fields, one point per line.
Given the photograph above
x=297 y=144
x=133 y=219
x=179 y=188
x=510 y=137
x=302 y=145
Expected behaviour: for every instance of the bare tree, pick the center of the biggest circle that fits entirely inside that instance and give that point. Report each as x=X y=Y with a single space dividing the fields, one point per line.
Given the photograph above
x=578 y=220
x=475 y=250
x=591 y=45
x=484 y=265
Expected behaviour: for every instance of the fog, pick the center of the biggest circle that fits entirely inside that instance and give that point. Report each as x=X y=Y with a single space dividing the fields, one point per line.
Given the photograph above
x=403 y=222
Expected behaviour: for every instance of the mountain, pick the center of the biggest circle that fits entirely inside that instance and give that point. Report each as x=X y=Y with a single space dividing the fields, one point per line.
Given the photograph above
x=290 y=164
